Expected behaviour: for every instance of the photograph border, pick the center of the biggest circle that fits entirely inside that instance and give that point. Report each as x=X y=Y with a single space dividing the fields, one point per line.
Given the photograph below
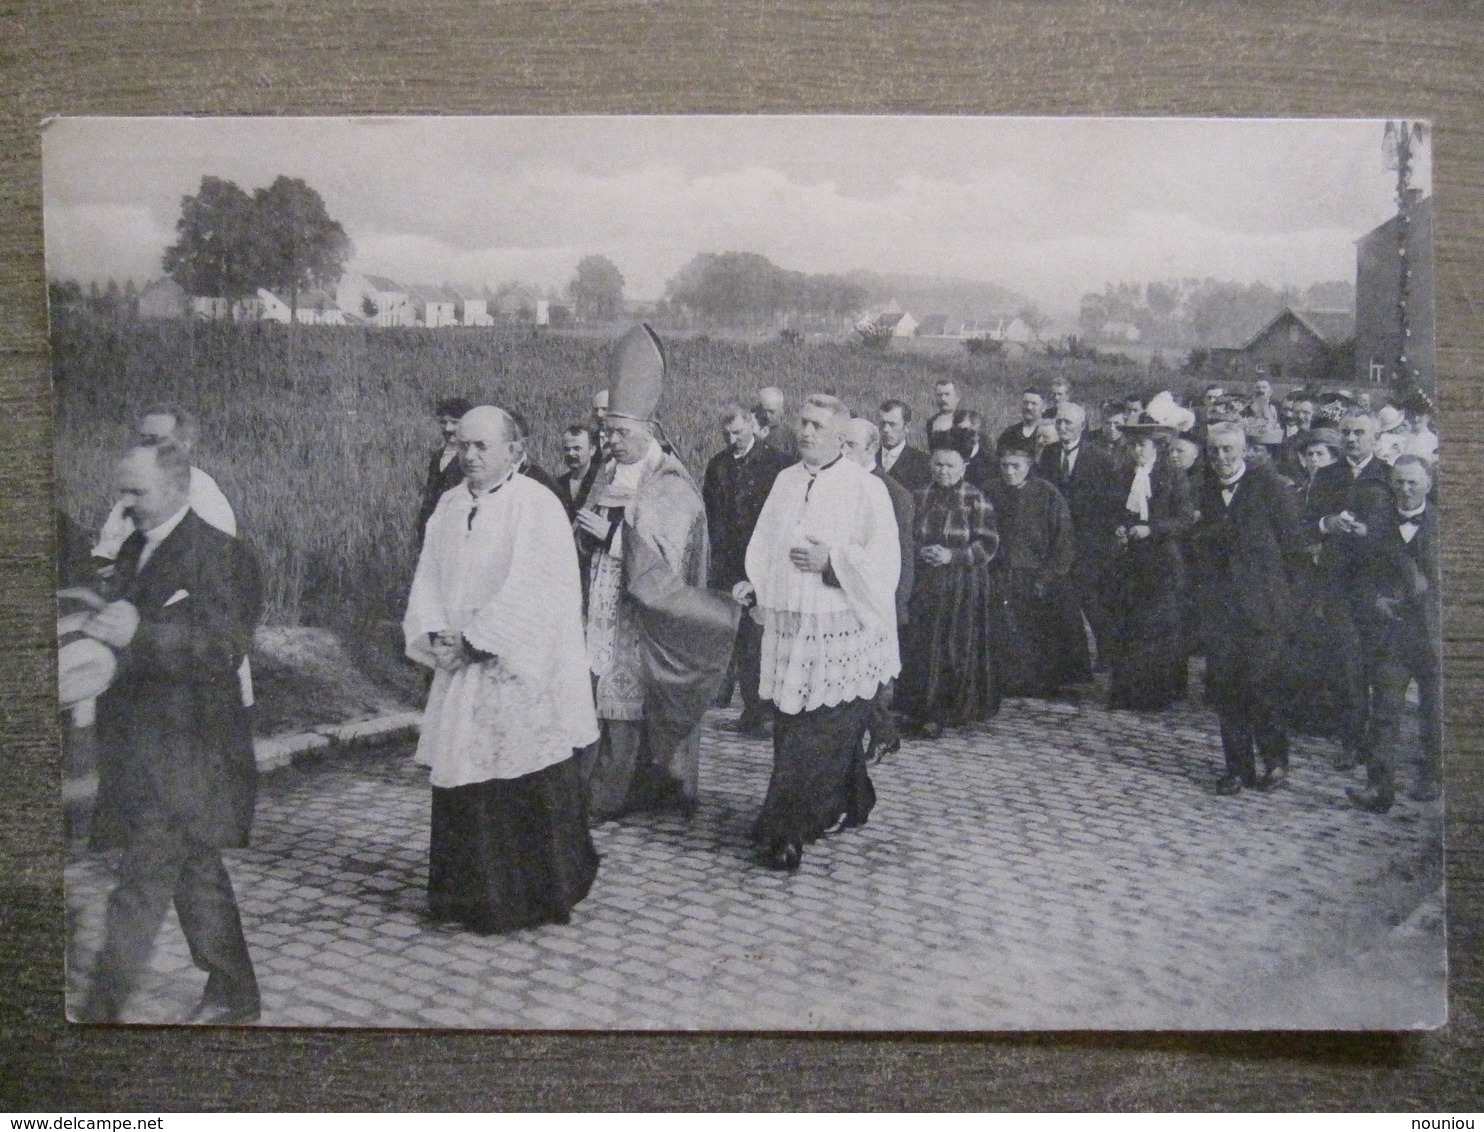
x=1054 y=58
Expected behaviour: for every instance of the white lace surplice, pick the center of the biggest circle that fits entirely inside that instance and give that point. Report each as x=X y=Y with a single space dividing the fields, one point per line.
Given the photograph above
x=509 y=583
x=824 y=645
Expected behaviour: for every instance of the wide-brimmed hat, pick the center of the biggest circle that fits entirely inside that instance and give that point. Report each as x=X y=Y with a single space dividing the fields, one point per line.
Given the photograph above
x=85 y=667
x=1389 y=418
x=636 y=374
x=1326 y=436
x=1261 y=430
x=1163 y=416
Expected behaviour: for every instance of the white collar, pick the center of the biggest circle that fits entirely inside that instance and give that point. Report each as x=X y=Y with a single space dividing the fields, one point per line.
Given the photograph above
x=1360 y=466
x=1231 y=484
x=157 y=534
x=1412 y=516
x=751 y=444
x=475 y=496
x=895 y=449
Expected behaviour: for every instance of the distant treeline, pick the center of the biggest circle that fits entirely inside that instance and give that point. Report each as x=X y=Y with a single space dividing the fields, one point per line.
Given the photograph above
x=1186 y=313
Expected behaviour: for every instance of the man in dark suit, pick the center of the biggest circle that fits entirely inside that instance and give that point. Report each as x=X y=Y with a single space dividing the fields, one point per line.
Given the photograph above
x=579 y=454
x=1022 y=434
x=908 y=466
x=1343 y=501
x=176 y=777
x=443 y=465
x=735 y=487
x=945 y=402
x=861 y=443
x=1245 y=541
x=1402 y=637
x=1085 y=477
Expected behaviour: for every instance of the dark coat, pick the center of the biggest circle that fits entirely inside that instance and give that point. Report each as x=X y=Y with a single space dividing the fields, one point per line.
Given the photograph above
x=437 y=481
x=1334 y=490
x=532 y=470
x=1244 y=553
x=905 y=509
x=734 y=491
x=1407 y=573
x=1089 y=492
x=174 y=741
x=1012 y=437
x=1158 y=560
x=981 y=469
x=913 y=469
x=563 y=487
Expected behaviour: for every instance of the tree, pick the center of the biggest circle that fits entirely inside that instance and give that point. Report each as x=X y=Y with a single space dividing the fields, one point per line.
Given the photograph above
x=214 y=252
x=1034 y=318
x=298 y=247
x=596 y=290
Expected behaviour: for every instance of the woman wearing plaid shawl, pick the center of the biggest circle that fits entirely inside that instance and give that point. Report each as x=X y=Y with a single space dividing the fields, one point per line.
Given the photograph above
x=948 y=676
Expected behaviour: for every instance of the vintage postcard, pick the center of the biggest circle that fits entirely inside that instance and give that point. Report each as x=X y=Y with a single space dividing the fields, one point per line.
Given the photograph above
x=748 y=573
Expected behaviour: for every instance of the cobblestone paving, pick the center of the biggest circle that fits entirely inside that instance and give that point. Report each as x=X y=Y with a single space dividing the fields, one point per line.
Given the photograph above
x=1062 y=866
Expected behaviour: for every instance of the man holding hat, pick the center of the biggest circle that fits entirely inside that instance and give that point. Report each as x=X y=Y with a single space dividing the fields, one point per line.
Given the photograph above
x=176 y=775
x=658 y=641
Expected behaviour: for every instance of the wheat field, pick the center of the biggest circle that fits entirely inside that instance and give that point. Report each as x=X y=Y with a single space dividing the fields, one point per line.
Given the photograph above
x=320 y=435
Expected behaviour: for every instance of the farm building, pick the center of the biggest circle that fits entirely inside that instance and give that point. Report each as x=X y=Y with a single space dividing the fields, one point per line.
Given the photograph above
x=434 y=306
x=1298 y=347
x=899 y=322
x=163 y=298
x=385 y=301
x=314 y=308
x=517 y=302
x=1378 y=327
x=473 y=307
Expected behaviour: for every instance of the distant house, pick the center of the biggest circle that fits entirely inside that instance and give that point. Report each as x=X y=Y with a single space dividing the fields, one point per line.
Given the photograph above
x=473 y=307
x=314 y=308
x=517 y=302
x=1115 y=331
x=389 y=300
x=163 y=298
x=434 y=306
x=934 y=326
x=1298 y=347
x=899 y=322
x=1378 y=326
x=211 y=308
x=1014 y=330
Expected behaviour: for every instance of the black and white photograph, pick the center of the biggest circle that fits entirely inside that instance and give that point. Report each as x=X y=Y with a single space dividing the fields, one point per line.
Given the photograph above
x=765 y=573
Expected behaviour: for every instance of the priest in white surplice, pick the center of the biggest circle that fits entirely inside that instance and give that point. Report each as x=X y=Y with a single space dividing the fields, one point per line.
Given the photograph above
x=496 y=612
x=822 y=565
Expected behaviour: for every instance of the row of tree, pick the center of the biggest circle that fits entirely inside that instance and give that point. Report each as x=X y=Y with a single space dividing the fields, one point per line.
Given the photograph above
x=230 y=242
x=1187 y=313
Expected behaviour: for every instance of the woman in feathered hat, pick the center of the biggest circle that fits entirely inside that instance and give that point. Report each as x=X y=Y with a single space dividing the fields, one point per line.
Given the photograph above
x=1148 y=660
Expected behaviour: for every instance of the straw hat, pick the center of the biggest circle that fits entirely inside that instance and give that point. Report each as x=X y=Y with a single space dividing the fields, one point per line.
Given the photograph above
x=1389 y=418
x=636 y=374
x=85 y=667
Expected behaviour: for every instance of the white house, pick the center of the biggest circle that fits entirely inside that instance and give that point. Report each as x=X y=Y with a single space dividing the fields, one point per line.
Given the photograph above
x=473 y=308
x=434 y=306
x=391 y=301
x=314 y=308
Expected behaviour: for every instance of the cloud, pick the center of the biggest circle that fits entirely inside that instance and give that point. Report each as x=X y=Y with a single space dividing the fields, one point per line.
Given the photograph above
x=1052 y=207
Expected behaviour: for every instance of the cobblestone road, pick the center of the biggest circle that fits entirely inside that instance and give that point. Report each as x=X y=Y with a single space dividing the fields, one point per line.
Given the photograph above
x=1059 y=867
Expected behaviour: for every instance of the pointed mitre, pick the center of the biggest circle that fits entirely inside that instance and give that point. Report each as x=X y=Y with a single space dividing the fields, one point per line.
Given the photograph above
x=636 y=374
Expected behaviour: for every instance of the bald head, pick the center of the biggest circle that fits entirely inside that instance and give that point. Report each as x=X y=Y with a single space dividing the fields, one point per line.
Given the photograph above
x=771 y=398
x=488 y=443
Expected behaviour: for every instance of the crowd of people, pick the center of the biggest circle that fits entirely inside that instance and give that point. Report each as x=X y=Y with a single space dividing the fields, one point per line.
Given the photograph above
x=852 y=588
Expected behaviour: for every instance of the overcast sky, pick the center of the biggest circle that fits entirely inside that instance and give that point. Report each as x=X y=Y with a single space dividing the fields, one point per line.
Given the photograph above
x=1049 y=207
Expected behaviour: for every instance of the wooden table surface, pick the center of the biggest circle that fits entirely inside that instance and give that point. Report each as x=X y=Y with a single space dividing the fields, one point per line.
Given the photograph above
x=253 y=57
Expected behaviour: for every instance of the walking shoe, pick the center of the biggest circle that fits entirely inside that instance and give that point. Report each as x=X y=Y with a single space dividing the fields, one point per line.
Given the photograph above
x=880 y=748
x=1272 y=778
x=1371 y=800
x=1426 y=790
x=210 y=1012
x=1230 y=784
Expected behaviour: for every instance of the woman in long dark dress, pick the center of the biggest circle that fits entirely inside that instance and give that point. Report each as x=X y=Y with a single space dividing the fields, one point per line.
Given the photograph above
x=948 y=673
x=1028 y=576
x=1148 y=584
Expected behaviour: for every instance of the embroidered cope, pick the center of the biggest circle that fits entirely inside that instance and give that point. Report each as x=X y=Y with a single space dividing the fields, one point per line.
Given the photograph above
x=502 y=571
